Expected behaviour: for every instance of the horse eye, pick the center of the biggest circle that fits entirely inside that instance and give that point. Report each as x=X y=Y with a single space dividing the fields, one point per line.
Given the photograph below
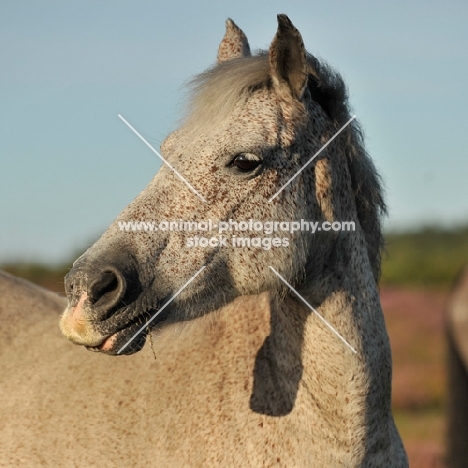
x=243 y=164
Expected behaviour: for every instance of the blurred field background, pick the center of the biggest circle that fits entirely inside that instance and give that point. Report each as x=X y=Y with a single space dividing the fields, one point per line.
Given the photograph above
x=419 y=269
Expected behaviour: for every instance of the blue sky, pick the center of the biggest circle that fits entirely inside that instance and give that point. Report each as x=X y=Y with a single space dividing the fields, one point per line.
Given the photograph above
x=69 y=165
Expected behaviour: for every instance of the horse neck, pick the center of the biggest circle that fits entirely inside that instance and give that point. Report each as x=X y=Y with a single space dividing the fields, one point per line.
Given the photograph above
x=303 y=366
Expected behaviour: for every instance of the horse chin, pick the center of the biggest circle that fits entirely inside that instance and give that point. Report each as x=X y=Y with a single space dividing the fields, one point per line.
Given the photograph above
x=123 y=342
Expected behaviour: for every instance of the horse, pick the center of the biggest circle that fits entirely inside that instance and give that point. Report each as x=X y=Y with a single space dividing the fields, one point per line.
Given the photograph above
x=266 y=353
x=457 y=365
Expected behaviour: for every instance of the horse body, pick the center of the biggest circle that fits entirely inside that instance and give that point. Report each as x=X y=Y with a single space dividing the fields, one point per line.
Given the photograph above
x=245 y=373
x=204 y=401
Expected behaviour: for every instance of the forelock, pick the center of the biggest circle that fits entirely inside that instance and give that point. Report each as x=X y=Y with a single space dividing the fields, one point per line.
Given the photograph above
x=215 y=93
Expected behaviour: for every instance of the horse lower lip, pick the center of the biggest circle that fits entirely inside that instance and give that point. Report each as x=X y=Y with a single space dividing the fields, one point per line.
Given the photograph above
x=118 y=339
x=102 y=345
x=107 y=343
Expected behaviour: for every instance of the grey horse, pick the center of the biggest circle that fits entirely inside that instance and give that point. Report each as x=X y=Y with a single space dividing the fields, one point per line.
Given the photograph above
x=266 y=354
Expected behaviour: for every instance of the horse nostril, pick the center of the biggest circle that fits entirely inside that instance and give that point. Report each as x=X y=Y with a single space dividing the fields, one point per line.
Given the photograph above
x=106 y=289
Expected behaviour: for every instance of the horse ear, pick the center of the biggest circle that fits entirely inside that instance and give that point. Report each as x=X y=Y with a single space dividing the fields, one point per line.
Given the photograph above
x=234 y=43
x=288 y=60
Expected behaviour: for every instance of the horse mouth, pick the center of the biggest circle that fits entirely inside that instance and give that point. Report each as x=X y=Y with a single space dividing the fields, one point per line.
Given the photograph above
x=129 y=339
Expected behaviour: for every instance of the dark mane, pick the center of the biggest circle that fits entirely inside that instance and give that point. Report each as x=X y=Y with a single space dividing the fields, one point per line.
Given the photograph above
x=217 y=91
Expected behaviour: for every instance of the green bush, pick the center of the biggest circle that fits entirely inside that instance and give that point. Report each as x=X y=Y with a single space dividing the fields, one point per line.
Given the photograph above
x=48 y=276
x=429 y=257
